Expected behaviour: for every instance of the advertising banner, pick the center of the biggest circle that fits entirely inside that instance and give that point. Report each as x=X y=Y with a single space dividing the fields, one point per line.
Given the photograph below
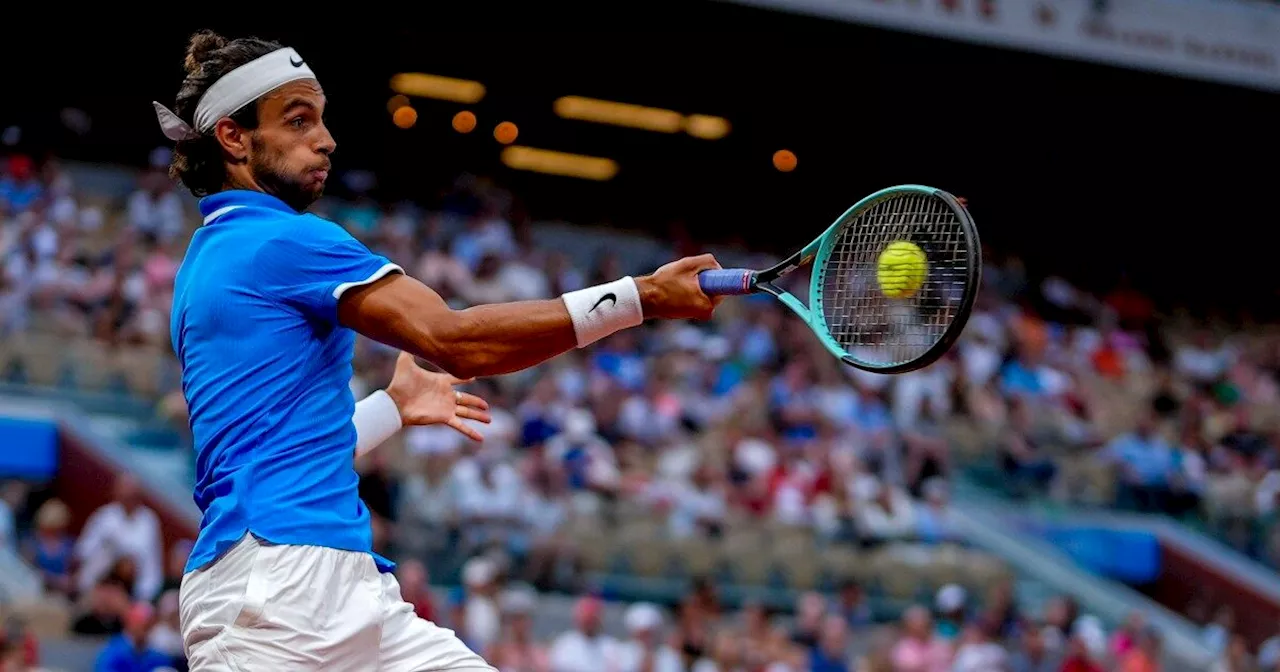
x=1229 y=41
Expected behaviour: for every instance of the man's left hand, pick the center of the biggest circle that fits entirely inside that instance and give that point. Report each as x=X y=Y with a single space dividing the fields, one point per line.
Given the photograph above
x=429 y=398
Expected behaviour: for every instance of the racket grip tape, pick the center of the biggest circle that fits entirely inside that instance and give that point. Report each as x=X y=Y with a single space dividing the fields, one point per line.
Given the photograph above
x=726 y=282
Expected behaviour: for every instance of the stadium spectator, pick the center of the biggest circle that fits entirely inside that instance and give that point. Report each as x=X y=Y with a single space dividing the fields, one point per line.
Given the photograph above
x=644 y=649
x=1145 y=655
x=811 y=610
x=1269 y=653
x=1032 y=654
x=934 y=520
x=102 y=610
x=1126 y=636
x=20 y=185
x=888 y=514
x=919 y=649
x=979 y=650
x=129 y=651
x=830 y=652
x=1236 y=657
x=1021 y=457
x=852 y=605
x=585 y=648
x=516 y=650
x=1079 y=658
x=416 y=589
x=51 y=549
x=122 y=530
x=482 y=618
x=155 y=209
x=952 y=606
x=19 y=647
x=166 y=634
x=1146 y=464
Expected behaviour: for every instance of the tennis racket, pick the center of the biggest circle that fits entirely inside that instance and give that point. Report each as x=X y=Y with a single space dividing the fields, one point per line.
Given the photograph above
x=893 y=280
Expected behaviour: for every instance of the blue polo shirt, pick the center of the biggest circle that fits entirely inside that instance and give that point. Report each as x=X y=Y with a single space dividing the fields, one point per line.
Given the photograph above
x=266 y=370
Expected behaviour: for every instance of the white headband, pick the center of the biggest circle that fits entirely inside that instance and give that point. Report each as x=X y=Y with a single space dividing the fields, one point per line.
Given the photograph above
x=233 y=91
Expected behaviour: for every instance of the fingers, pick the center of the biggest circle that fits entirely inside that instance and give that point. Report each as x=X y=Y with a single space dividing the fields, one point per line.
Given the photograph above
x=703 y=262
x=454 y=380
x=465 y=399
x=466 y=430
x=473 y=414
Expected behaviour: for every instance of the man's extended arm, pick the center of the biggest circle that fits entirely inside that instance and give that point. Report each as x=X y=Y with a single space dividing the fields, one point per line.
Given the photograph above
x=501 y=338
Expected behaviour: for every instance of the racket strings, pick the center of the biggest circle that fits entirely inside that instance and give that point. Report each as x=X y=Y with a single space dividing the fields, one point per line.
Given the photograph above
x=876 y=328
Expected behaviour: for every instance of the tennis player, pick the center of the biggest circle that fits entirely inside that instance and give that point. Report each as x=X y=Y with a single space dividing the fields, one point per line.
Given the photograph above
x=266 y=307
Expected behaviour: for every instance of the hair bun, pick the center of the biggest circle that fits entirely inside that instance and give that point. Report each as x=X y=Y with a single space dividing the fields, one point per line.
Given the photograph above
x=201 y=45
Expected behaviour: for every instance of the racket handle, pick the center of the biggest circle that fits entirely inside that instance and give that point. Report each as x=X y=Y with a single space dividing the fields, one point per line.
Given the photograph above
x=727 y=282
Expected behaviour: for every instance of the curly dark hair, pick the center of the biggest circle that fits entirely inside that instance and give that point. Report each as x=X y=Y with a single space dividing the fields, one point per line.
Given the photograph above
x=198 y=163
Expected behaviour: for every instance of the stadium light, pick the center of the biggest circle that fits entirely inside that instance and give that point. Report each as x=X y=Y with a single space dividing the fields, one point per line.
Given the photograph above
x=706 y=126
x=642 y=117
x=423 y=85
x=619 y=114
x=559 y=163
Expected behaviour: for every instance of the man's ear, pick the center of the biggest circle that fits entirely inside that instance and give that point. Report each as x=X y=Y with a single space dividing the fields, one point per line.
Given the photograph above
x=234 y=140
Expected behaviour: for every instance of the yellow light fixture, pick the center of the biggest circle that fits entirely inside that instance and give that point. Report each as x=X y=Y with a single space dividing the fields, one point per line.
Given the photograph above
x=559 y=163
x=706 y=126
x=423 y=85
x=619 y=114
x=646 y=118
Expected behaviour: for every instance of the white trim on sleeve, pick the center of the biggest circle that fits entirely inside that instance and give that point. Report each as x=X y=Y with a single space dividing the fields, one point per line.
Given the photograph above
x=377 y=275
x=220 y=212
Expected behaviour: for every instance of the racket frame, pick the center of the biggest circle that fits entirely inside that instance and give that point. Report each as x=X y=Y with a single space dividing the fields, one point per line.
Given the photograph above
x=820 y=249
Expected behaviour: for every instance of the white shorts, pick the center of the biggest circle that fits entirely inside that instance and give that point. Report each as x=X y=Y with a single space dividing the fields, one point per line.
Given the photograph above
x=271 y=608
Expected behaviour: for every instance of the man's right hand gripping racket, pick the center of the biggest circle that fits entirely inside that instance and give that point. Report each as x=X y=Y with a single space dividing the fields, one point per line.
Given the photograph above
x=894 y=279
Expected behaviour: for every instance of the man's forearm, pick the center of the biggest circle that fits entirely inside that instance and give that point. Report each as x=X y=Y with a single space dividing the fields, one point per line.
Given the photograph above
x=491 y=339
x=501 y=338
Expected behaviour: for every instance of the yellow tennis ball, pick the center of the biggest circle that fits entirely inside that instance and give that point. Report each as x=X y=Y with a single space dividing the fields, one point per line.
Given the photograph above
x=902 y=269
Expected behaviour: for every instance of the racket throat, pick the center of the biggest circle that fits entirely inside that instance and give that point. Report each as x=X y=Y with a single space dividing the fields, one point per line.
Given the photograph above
x=766 y=287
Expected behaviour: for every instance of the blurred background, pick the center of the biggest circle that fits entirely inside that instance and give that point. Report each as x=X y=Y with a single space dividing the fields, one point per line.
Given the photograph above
x=1089 y=481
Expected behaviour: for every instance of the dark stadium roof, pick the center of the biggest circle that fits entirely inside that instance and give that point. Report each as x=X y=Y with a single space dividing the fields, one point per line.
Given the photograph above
x=1097 y=166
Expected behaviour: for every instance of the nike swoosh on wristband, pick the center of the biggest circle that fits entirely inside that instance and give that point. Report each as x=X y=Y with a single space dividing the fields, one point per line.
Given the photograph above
x=611 y=297
x=298 y=63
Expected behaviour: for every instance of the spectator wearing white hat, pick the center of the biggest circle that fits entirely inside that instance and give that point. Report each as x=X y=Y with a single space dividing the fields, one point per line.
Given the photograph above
x=644 y=650
x=516 y=650
x=481 y=619
x=950 y=602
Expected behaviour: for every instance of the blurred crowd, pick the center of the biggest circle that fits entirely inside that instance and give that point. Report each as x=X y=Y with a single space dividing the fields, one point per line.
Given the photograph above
x=125 y=586
x=1063 y=394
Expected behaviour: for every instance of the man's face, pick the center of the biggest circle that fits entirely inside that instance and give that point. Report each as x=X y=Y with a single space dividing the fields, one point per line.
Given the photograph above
x=289 y=152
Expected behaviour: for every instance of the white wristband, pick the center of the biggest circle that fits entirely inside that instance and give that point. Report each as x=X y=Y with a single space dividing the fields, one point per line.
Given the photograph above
x=601 y=310
x=376 y=419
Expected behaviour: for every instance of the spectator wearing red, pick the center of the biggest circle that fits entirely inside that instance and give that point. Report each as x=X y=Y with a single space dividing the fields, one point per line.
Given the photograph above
x=415 y=590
